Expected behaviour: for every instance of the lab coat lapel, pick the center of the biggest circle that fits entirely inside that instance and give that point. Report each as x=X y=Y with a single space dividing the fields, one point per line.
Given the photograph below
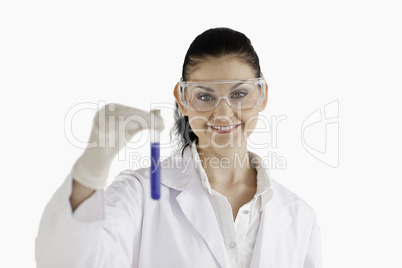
x=273 y=224
x=194 y=203
x=196 y=206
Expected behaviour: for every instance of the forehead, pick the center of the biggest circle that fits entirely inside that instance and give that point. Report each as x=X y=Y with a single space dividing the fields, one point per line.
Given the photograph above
x=226 y=68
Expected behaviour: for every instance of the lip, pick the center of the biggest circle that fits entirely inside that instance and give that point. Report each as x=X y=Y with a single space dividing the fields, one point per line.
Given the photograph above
x=223 y=131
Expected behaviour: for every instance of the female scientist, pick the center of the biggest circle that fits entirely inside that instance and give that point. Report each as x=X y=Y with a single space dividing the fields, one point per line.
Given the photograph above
x=218 y=205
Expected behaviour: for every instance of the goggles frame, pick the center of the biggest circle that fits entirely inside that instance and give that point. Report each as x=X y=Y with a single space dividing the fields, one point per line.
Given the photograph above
x=183 y=84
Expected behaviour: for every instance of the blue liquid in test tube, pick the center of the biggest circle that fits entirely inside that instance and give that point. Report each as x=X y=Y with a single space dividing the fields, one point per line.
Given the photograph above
x=155 y=162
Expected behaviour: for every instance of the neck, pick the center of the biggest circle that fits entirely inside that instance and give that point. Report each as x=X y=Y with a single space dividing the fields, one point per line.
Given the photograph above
x=226 y=167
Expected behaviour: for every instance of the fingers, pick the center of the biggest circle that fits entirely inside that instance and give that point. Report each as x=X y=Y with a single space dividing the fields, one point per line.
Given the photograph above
x=127 y=119
x=157 y=122
x=114 y=125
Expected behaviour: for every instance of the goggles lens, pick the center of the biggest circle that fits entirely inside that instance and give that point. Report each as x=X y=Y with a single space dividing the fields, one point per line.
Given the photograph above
x=206 y=96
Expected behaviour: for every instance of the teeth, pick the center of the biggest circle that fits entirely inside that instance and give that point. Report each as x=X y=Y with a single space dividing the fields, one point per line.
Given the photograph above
x=224 y=128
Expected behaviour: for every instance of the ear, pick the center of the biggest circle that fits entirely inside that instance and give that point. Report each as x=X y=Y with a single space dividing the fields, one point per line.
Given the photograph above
x=177 y=97
x=263 y=104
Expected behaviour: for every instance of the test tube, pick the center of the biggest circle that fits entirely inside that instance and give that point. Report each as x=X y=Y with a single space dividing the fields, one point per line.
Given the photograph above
x=155 y=165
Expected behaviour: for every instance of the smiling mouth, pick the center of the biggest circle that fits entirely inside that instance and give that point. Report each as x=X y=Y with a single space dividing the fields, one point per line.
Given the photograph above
x=223 y=129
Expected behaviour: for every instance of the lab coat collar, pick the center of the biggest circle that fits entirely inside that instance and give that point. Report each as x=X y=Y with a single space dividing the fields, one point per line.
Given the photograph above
x=180 y=174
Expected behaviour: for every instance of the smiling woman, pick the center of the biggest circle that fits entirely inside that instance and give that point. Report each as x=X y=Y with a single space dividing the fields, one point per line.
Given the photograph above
x=222 y=106
x=218 y=206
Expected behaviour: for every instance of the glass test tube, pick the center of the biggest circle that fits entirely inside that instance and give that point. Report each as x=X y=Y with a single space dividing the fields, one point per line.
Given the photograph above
x=155 y=161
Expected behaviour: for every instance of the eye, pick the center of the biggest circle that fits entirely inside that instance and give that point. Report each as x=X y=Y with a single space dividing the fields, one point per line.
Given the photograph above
x=239 y=94
x=205 y=97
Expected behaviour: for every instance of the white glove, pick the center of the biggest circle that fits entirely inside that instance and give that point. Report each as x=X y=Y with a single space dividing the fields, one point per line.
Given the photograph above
x=113 y=126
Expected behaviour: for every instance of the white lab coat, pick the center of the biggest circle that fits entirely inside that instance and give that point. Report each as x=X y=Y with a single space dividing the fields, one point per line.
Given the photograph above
x=129 y=229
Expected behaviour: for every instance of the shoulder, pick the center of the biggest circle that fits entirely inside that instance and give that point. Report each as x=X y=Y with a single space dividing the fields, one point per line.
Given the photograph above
x=290 y=200
x=131 y=178
x=302 y=214
x=128 y=182
x=280 y=195
x=176 y=172
x=174 y=161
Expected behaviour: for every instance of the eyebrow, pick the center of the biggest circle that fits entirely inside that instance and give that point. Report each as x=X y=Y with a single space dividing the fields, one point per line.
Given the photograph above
x=211 y=90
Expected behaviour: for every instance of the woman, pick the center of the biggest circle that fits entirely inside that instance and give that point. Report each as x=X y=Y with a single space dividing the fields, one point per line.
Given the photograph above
x=218 y=208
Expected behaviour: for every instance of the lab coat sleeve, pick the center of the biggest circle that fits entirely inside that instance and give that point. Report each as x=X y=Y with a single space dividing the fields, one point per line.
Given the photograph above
x=100 y=232
x=313 y=256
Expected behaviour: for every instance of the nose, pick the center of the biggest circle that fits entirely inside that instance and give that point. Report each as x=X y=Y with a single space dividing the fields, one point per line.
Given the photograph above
x=223 y=108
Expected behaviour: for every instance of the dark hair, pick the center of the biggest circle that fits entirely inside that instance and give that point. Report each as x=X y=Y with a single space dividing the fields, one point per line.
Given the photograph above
x=215 y=43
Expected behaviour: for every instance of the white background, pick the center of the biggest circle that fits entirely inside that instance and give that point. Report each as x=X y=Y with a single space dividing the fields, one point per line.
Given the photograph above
x=57 y=54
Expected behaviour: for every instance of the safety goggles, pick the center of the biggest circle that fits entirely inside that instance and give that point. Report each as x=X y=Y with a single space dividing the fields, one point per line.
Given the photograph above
x=204 y=96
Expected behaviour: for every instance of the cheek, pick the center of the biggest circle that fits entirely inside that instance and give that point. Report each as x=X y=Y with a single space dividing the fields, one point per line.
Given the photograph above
x=250 y=120
x=197 y=122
